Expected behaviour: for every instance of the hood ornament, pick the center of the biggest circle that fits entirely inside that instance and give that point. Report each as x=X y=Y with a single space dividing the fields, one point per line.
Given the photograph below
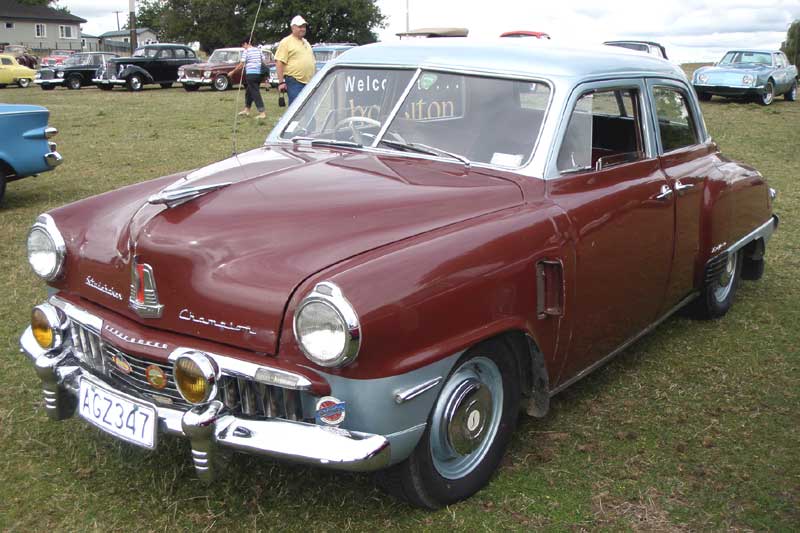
x=144 y=296
x=172 y=196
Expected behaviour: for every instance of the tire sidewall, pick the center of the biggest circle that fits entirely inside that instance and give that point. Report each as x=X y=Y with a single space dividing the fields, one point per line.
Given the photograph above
x=71 y=80
x=132 y=85
x=24 y=83
x=227 y=83
x=769 y=91
x=442 y=491
x=717 y=308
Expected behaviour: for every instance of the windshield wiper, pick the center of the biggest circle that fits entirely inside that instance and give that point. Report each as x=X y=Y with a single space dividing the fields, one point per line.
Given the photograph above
x=426 y=149
x=313 y=141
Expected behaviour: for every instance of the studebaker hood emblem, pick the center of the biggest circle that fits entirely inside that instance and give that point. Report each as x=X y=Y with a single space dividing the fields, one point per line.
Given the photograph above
x=237 y=254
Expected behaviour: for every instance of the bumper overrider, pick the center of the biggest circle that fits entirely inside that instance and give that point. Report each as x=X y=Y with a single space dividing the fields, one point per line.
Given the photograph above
x=211 y=426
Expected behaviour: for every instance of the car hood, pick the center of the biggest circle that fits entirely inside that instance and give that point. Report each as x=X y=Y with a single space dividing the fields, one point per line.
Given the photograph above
x=226 y=264
x=212 y=66
x=735 y=69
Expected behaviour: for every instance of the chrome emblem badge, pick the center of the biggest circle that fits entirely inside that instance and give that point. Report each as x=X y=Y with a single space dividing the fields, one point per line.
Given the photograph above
x=122 y=364
x=155 y=376
x=144 y=296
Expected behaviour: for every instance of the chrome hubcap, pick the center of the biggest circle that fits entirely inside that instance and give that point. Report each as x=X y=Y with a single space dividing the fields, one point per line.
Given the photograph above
x=466 y=417
x=221 y=83
x=768 y=96
x=726 y=279
x=136 y=83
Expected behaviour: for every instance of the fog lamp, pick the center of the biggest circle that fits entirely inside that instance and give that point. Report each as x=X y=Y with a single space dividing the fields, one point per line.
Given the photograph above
x=46 y=326
x=196 y=377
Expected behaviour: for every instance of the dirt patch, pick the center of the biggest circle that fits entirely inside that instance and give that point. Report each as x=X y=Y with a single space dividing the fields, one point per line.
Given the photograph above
x=644 y=514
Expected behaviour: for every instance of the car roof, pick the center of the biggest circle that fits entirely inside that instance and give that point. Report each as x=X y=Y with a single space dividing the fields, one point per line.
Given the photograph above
x=752 y=50
x=231 y=49
x=525 y=57
x=164 y=45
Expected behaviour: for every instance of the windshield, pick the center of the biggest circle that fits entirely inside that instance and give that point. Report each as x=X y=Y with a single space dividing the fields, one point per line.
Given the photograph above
x=225 y=56
x=78 y=59
x=746 y=58
x=482 y=119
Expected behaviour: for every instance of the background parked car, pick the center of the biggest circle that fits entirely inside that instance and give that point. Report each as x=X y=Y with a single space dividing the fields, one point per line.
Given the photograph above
x=24 y=56
x=76 y=72
x=648 y=47
x=25 y=150
x=762 y=74
x=524 y=33
x=323 y=52
x=57 y=57
x=12 y=72
x=216 y=72
x=153 y=63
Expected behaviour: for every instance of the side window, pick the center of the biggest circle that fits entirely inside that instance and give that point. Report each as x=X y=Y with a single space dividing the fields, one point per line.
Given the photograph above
x=190 y=54
x=605 y=129
x=7 y=61
x=180 y=53
x=675 y=122
x=166 y=53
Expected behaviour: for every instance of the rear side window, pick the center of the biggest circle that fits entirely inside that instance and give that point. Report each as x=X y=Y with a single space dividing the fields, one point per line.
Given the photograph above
x=605 y=129
x=180 y=53
x=167 y=53
x=7 y=61
x=675 y=122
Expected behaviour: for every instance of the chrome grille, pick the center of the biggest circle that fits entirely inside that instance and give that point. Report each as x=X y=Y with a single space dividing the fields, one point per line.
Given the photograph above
x=249 y=398
x=137 y=377
x=191 y=73
x=46 y=74
x=86 y=342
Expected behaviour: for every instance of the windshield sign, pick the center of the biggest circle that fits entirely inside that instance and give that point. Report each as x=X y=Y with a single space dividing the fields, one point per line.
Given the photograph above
x=480 y=119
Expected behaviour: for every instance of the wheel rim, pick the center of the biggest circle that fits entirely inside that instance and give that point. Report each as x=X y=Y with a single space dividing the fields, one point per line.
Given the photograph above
x=726 y=278
x=136 y=83
x=24 y=82
x=221 y=83
x=466 y=418
x=74 y=83
x=768 y=96
x=793 y=92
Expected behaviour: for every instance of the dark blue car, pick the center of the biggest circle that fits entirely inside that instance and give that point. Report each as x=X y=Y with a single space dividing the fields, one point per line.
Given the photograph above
x=25 y=148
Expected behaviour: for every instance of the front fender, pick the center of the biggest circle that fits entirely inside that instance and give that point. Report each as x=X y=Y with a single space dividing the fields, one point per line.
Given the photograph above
x=128 y=70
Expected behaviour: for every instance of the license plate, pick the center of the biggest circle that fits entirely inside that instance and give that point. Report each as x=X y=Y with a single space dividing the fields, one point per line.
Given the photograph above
x=122 y=416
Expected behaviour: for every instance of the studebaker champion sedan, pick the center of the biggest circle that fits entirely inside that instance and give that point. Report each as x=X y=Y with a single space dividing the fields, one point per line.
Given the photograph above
x=219 y=71
x=748 y=73
x=25 y=149
x=434 y=235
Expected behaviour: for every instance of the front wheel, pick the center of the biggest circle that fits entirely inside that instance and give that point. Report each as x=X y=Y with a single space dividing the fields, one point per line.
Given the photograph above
x=135 y=82
x=704 y=97
x=769 y=94
x=791 y=96
x=222 y=83
x=468 y=431
x=24 y=83
x=74 y=83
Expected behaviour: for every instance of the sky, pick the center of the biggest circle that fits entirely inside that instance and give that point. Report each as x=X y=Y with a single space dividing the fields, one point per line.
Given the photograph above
x=691 y=30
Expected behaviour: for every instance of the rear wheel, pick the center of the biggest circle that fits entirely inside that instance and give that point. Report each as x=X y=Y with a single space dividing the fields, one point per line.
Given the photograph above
x=717 y=295
x=791 y=96
x=74 y=83
x=24 y=82
x=704 y=97
x=769 y=94
x=2 y=184
x=468 y=431
x=135 y=82
x=222 y=83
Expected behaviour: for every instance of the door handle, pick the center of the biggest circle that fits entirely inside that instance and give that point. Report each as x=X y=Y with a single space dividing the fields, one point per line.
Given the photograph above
x=680 y=187
x=665 y=193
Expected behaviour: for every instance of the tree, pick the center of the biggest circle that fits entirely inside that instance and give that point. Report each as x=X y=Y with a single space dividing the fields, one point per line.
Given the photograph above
x=217 y=23
x=43 y=3
x=791 y=46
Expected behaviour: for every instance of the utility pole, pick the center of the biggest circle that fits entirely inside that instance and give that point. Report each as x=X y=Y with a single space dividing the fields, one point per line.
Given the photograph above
x=407 y=26
x=132 y=24
x=117 y=14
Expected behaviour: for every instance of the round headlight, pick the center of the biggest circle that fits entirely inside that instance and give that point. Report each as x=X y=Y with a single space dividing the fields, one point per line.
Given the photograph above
x=326 y=327
x=46 y=248
x=46 y=326
x=196 y=377
x=702 y=78
x=747 y=79
x=60 y=74
x=207 y=74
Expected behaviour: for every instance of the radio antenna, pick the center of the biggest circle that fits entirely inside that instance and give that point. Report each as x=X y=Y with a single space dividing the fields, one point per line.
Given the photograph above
x=235 y=147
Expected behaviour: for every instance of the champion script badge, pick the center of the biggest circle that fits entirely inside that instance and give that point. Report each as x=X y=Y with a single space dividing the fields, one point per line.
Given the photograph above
x=102 y=287
x=185 y=314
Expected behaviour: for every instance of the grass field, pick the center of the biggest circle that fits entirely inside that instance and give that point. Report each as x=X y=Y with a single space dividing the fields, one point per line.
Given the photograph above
x=696 y=427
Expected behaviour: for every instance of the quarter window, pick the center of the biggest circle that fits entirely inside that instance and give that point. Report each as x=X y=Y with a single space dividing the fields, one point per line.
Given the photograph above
x=675 y=122
x=605 y=129
x=6 y=61
x=40 y=30
x=180 y=53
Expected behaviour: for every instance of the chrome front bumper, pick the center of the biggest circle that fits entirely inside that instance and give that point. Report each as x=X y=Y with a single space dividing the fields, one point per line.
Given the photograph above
x=103 y=81
x=211 y=429
x=195 y=81
x=54 y=81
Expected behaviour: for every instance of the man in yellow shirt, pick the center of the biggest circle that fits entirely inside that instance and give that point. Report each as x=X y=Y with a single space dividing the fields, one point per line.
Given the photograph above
x=294 y=60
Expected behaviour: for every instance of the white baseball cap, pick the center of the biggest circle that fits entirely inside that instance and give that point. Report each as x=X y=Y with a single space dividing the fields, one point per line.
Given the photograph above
x=299 y=21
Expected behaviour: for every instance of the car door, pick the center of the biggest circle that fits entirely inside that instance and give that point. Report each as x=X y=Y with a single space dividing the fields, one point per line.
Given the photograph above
x=163 y=63
x=608 y=180
x=687 y=157
x=6 y=70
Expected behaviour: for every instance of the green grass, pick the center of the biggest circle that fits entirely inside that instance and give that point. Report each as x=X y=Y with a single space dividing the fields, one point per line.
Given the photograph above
x=695 y=427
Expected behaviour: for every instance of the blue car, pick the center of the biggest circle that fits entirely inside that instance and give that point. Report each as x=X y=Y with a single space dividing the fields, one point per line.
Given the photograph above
x=25 y=149
x=762 y=74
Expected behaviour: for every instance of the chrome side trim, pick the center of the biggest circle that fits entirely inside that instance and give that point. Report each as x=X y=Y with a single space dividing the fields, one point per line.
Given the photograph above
x=411 y=393
x=597 y=364
x=87 y=319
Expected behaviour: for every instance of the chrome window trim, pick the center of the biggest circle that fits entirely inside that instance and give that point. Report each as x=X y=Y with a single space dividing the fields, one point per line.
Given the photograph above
x=274 y=136
x=694 y=108
x=580 y=89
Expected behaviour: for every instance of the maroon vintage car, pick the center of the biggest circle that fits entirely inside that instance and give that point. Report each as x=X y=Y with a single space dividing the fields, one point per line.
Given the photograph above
x=423 y=245
x=219 y=72
x=57 y=57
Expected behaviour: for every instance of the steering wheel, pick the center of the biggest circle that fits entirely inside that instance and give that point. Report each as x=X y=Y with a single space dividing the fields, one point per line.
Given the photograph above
x=350 y=122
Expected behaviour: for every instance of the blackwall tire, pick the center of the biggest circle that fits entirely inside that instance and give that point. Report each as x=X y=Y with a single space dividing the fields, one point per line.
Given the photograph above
x=135 y=83
x=791 y=96
x=74 y=83
x=468 y=431
x=717 y=296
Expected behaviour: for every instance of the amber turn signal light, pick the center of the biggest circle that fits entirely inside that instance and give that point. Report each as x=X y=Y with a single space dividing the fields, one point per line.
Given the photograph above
x=196 y=377
x=45 y=326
